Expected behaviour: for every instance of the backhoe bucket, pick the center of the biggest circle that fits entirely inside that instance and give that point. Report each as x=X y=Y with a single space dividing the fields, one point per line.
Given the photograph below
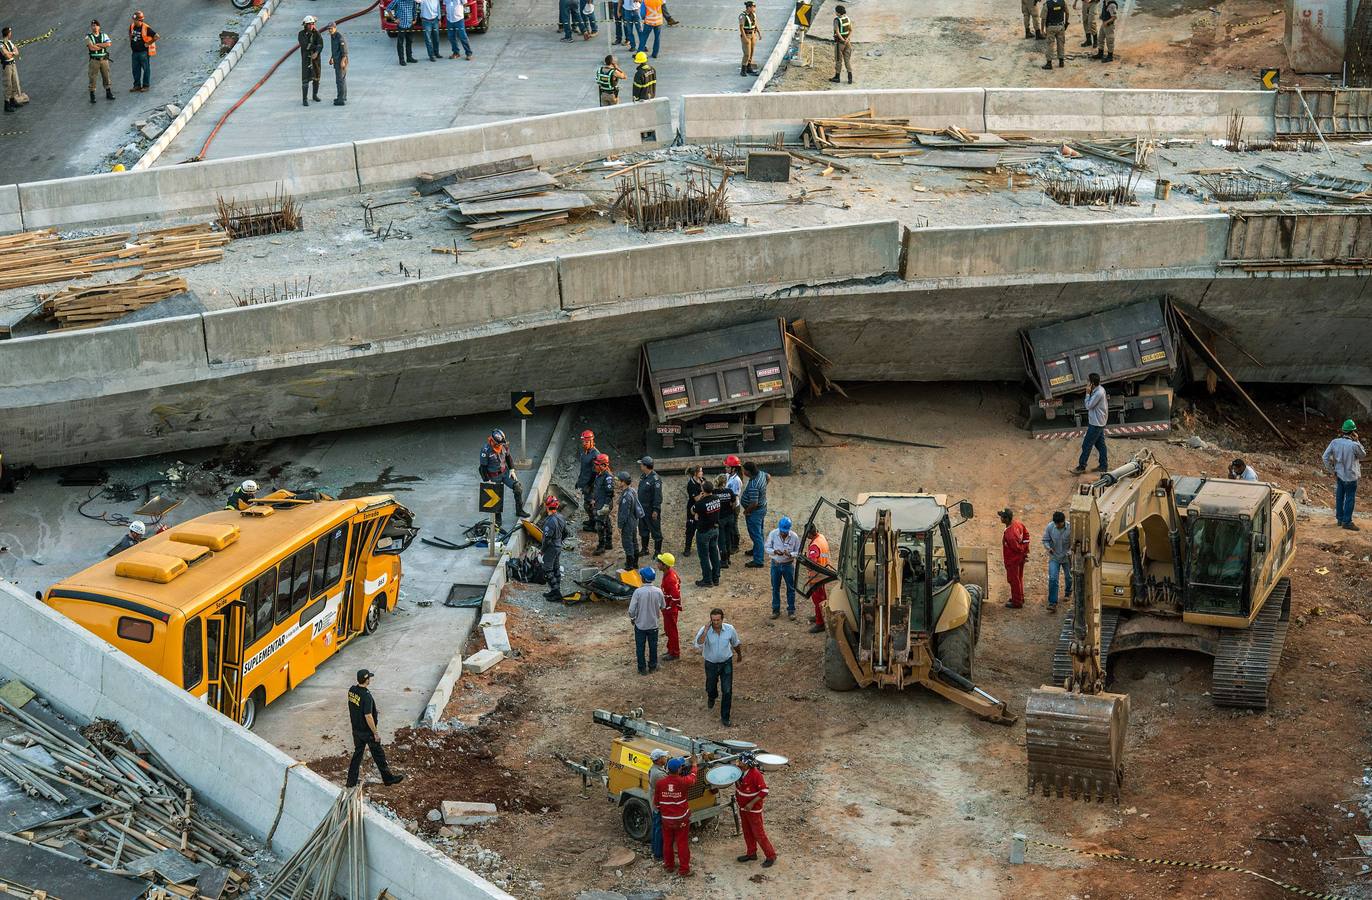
x=1076 y=742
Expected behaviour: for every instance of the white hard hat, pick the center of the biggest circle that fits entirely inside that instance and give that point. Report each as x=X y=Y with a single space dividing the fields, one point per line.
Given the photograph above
x=250 y=486
x=309 y=20
x=137 y=528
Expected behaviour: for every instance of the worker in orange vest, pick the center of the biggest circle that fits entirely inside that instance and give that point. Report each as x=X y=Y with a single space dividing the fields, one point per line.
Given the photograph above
x=652 y=24
x=142 y=47
x=749 y=793
x=817 y=552
x=671 y=796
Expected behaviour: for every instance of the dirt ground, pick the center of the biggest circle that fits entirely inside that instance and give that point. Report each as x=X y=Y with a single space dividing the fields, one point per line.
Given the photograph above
x=901 y=795
x=960 y=43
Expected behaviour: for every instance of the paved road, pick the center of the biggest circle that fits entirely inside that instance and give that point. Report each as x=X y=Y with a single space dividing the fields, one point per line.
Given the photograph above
x=519 y=68
x=60 y=133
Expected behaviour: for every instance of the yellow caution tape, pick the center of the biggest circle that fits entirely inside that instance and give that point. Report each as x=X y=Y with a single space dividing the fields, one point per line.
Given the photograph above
x=1214 y=867
x=34 y=40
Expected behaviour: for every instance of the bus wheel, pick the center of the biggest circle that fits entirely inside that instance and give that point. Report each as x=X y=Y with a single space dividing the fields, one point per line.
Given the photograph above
x=373 y=620
x=247 y=715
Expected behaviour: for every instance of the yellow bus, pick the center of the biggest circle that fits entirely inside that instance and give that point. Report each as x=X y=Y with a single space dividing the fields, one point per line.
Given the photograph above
x=240 y=607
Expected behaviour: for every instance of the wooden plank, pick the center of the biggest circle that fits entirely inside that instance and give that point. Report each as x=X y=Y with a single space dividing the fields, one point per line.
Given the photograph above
x=529 y=181
x=558 y=202
x=432 y=183
x=956 y=159
x=513 y=219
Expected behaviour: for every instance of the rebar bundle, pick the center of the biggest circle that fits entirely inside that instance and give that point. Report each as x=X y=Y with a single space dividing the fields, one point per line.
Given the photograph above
x=289 y=290
x=1081 y=190
x=310 y=874
x=1235 y=143
x=1242 y=186
x=252 y=218
x=655 y=203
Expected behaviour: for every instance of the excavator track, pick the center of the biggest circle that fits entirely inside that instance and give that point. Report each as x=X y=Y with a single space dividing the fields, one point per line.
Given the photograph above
x=1062 y=660
x=1247 y=659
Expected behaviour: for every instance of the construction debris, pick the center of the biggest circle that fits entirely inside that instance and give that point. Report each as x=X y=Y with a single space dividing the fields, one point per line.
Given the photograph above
x=655 y=203
x=314 y=869
x=461 y=812
x=252 y=218
x=1082 y=190
x=42 y=257
x=433 y=182
x=481 y=660
x=83 y=307
x=511 y=203
x=1326 y=187
x=292 y=290
x=862 y=134
x=1241 y=185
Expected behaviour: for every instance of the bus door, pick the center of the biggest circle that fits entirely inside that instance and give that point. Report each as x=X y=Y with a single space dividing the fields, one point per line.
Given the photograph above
x=354 y=612
x=224 y=646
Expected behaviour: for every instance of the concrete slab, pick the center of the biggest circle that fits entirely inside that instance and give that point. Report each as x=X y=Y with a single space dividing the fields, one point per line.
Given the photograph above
x=481 y=661
x=756 y=117
x=11 y=219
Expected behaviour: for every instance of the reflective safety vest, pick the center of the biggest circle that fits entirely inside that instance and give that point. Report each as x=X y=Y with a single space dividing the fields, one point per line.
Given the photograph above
x=94 y=51
x=645 y=81
x=608 y=80
x=842 y=26
x=748 y=22
x=818 y=553
x=652 y=12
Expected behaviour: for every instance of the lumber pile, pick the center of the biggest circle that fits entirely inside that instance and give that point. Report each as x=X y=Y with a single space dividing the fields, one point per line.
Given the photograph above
x=42 y=257
x=508 y=204
x=863 y=134
x=83 y=306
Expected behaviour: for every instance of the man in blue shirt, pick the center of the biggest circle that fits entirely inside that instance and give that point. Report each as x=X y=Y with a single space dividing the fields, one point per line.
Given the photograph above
x=404 y=13
x=1057 y=540
x=754 y=502
x=1097 y=412
x=718 y=643
x=783 y=546
x=1343 y=458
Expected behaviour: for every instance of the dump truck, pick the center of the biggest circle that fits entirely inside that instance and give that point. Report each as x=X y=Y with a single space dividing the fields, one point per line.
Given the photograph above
x=1191 y=563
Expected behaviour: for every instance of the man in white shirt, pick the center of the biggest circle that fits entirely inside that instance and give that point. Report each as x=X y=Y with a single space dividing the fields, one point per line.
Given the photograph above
x=782 y=548
x=1097 y=412
x=718 y=643
x=1242 y=471
x=429 y=13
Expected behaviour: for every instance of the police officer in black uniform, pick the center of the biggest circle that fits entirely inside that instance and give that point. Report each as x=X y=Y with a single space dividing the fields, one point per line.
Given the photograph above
x=554 y=533
x=650 y=498
x=366 y=734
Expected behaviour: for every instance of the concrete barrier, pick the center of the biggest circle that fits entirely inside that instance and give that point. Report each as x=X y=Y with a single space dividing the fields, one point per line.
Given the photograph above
x=793 y=257
x=1065 y=248
x=342 y=324
x=236 y=772
x=1090 y=111
x=192 y=188
x=560 y=137
x=11 y=219
x=755 y=117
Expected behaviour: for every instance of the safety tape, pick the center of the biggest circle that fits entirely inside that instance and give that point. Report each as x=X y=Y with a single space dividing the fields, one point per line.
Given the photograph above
x=34 y=40
x=1214 y=867
x=602 y=23
x=12 y=133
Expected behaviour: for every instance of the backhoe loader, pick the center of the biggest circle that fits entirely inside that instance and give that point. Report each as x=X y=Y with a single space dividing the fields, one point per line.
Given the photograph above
x=903 y=607
x=1191 y=563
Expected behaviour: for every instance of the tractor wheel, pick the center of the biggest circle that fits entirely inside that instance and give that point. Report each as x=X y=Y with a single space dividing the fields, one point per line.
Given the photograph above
x=837 y=675
x=975 y=612
x=637 y=819
x=955 y=648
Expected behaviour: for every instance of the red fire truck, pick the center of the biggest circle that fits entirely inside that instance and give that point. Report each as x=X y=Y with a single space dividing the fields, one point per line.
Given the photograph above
x=478 y=18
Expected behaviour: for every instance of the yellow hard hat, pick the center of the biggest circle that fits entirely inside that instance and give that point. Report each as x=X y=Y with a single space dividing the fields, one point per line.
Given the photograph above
x=118 y=167
x=640 y=57
x=666 y=559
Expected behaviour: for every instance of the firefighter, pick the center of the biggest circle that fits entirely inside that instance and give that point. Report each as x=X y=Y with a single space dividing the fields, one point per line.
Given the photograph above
x=645 y=78
x=630 y=517
x=585 y=479
x=650 y=498
x=496 y=465
x=607 y=79
x=243 y=496
x=554 y=533
x=311 y=47
x=817 y=552
x=750 y=792
x=672 y=797
x=602 y=495
x=748 y=33
x=134 y=536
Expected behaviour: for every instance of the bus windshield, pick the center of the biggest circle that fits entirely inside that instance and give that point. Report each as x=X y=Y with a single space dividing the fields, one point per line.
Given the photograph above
x=1219 y=564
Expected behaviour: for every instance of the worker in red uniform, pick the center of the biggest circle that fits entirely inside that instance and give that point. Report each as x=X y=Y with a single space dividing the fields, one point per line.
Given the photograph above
x=671 y=589
x=750 y=792
x=817 y=552
x=672 y=798
x=1014 y=548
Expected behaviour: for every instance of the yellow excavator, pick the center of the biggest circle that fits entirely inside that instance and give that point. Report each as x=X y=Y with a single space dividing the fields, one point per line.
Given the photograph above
x=1190 y=563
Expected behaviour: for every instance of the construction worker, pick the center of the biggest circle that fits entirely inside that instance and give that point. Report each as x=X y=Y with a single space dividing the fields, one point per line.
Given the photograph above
x=1097 y=414
x=142 y=47
x=817 y=552
x=1343 y=457
x=720 y=647
x=1109 y=18
x=364 y=715
x=696 y=485
x=748 y=33
x=650 y=498
x=242 y=496
x=497 y=465
x=338 y=59
x=1089 y=8
x=1033 y=16
x=729 y=526
x=754 y=500
x=671 y=592
x=404 y=13
x=311 y=48
x=1242 y=471
x=1057 y=540
x=750 y=792
x=607 y=79
x=672 y=795
x=843 y=43
x=728 y=502
x=585 y=478
x=9 y=63
x=628 y=516
x=98 y=64
x=645 y=612
x=705 y=511
x=652 y=24
x=783 y=546
x=554 y=533
x=134 y=536
x=1055 y=21
x=602 y=495
x=645 y=78
x=656 y=770
x=1014 y=549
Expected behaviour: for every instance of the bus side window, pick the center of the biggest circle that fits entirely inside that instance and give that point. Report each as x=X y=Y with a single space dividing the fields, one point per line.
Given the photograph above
x=328 y=559
x=192 y=654
x=300 y=586
x=283 y=589
x=266 y=591
x=249 y=600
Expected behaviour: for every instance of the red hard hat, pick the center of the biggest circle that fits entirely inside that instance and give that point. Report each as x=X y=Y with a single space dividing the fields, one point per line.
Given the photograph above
x=732 y=460
x=588 y=435
x=551 y=503
x=602 y=460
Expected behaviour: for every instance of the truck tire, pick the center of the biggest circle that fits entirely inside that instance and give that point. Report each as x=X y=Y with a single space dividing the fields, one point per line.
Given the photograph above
x=837 y=675
x=974 y=591
x=955 y=649
x=637 y=819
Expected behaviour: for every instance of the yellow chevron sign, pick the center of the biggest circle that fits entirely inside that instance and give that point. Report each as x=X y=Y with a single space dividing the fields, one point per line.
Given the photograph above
x=1270 y=79
x=522 y=402
x=491 y=497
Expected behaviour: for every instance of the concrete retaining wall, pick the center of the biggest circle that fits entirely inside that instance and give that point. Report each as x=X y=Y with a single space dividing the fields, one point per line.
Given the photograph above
x=1065 y=248
x=236 y=772
x=758 y=117
x=1072 y=111
x=10 y=217
x=794 y=257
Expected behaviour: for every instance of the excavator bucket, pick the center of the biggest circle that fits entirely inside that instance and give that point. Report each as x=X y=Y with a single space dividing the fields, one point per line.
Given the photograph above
x=1076 y=742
